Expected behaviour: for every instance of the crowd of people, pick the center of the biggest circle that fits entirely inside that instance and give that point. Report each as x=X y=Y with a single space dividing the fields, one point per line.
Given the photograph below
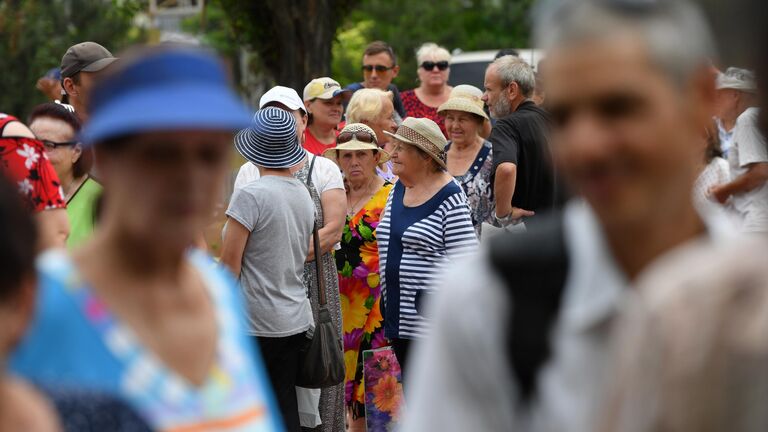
x=575 y=247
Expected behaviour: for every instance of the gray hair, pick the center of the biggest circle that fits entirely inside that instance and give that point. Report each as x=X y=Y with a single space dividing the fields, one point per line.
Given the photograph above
x=513 y=69
x=674 y=31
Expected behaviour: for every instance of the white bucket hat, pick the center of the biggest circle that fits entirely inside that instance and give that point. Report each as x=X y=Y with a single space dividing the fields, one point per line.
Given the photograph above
x=737 y=79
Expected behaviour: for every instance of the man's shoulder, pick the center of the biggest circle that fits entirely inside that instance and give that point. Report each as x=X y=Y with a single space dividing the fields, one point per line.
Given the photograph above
x=748 y=117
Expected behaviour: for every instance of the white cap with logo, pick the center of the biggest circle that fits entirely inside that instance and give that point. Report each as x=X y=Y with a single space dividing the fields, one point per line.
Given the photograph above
x=324 y=88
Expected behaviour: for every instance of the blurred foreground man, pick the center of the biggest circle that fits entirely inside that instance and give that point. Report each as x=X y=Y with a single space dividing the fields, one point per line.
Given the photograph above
x=522 y=333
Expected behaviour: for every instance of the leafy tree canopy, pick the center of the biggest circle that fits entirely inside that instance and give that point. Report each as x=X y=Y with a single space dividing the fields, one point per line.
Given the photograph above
x=35 y=34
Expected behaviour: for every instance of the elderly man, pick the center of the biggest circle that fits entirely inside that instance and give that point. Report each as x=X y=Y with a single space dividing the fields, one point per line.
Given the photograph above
x=79 y=67
x=522 y=333
x=524 y=181
x=736 y=90
x=379 y=69
x=748 y=154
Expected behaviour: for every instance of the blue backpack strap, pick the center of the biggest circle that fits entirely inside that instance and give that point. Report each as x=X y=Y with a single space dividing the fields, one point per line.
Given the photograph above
x=533 y=266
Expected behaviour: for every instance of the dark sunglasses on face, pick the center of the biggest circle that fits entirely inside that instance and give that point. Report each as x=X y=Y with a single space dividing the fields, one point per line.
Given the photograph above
x=363 y=136
x=429 y=65
x=377 y=68
x=51 y=145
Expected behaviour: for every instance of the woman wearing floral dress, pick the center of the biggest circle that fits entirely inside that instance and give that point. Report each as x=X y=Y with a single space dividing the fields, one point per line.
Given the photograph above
x=358 y=154
x=469 y=157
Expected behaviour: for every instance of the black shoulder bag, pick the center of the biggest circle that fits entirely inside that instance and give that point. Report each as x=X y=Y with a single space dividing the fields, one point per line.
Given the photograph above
x=534 y=266
x=322 y=362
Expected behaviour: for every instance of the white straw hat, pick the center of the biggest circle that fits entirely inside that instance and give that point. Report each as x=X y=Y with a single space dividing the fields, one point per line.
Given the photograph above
x=424 y=134
x=465 y=98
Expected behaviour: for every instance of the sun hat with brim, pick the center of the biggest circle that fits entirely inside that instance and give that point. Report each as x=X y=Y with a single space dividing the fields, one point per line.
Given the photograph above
x=424 y=134
x=356 y=144
x=465 y=98
x=271 y=141
x=737 y=79
x=164 y=90
x=324 y=88
x=285 y=96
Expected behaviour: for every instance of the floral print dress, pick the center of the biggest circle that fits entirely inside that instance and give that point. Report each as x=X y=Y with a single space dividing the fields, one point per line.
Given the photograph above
x=359 y=285
x=478 y=187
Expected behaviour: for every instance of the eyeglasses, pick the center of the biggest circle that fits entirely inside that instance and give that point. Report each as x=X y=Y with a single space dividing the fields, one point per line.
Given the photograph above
x=363 y=136
x=430 y=65
x=377 y=68
x=51 y=145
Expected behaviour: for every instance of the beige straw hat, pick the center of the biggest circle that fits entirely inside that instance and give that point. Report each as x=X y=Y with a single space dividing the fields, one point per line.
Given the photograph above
x=424 y=134
x=358 y=130
x=465 y=98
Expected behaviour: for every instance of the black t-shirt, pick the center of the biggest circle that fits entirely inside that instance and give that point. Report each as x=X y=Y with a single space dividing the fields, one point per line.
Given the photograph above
x=522 y=139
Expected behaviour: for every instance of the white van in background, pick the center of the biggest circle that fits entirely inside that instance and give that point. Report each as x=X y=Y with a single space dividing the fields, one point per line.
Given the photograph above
x=469 y=67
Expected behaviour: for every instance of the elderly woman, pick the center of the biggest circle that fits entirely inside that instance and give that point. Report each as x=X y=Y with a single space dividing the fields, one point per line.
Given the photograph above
x=433 y=91
x=469 y=157
x=324 y=101
x=426 y=224
x=57 y=128
x=358 y=153
x=134 y=312
x=327 y=193
x=374 y=108
x=22 y=161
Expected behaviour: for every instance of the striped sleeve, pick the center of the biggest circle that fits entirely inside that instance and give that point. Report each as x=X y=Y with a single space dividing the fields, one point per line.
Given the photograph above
x=382 y=234
x=458 y=232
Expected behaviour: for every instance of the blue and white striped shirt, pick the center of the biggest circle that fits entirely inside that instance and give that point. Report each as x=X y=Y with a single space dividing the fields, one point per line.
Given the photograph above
x=416 y=244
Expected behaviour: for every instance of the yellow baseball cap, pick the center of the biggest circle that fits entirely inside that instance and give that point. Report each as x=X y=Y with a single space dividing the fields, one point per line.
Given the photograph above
x=324 y=88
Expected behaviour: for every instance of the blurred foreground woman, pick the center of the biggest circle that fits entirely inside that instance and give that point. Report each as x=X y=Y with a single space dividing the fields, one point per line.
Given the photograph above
x=133 y=312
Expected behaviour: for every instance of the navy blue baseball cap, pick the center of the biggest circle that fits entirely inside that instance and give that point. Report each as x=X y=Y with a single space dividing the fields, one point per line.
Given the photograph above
x=164 y=89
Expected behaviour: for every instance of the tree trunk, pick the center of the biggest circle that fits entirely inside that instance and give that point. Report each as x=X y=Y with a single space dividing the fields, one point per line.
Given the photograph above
x=293 y=38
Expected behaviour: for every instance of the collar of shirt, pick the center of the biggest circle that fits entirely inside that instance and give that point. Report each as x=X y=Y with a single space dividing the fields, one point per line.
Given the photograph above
x=596 y=286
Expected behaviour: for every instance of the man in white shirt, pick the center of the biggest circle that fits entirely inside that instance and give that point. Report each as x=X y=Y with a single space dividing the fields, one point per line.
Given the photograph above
x=522 y=333
x=748 y=160
x=735 y=93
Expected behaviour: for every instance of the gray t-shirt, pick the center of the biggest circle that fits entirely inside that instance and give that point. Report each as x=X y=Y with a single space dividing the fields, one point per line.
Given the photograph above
x=280 y=214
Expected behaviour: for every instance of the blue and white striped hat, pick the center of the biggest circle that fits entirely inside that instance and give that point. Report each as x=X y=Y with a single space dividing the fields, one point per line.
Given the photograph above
x=271 y=140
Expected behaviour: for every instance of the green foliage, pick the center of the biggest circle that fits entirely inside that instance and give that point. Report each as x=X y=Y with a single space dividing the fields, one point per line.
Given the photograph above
x=468 y=25
x=214 y=29
x=34 y=34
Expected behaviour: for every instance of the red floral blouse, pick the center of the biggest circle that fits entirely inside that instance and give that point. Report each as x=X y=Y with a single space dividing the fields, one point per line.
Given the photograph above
x=23 y=161
x=416 y=108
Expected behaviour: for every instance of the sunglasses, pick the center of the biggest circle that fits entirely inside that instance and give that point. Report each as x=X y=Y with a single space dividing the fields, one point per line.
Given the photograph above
x=377 y=68
x=430 y=65
x=51 y=145
x=363 y=136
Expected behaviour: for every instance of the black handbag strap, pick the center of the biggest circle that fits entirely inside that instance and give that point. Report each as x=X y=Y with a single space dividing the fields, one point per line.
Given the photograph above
x=533 y=266
x=321 y=297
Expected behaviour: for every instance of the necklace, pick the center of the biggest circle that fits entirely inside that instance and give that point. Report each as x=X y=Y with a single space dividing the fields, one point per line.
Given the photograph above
x=351 y=209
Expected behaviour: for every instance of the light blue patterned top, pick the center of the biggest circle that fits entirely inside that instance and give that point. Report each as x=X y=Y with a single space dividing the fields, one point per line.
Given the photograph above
x=75 y=341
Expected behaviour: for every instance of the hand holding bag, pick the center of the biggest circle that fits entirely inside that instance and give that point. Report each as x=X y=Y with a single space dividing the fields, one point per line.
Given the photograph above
x=322 y=363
